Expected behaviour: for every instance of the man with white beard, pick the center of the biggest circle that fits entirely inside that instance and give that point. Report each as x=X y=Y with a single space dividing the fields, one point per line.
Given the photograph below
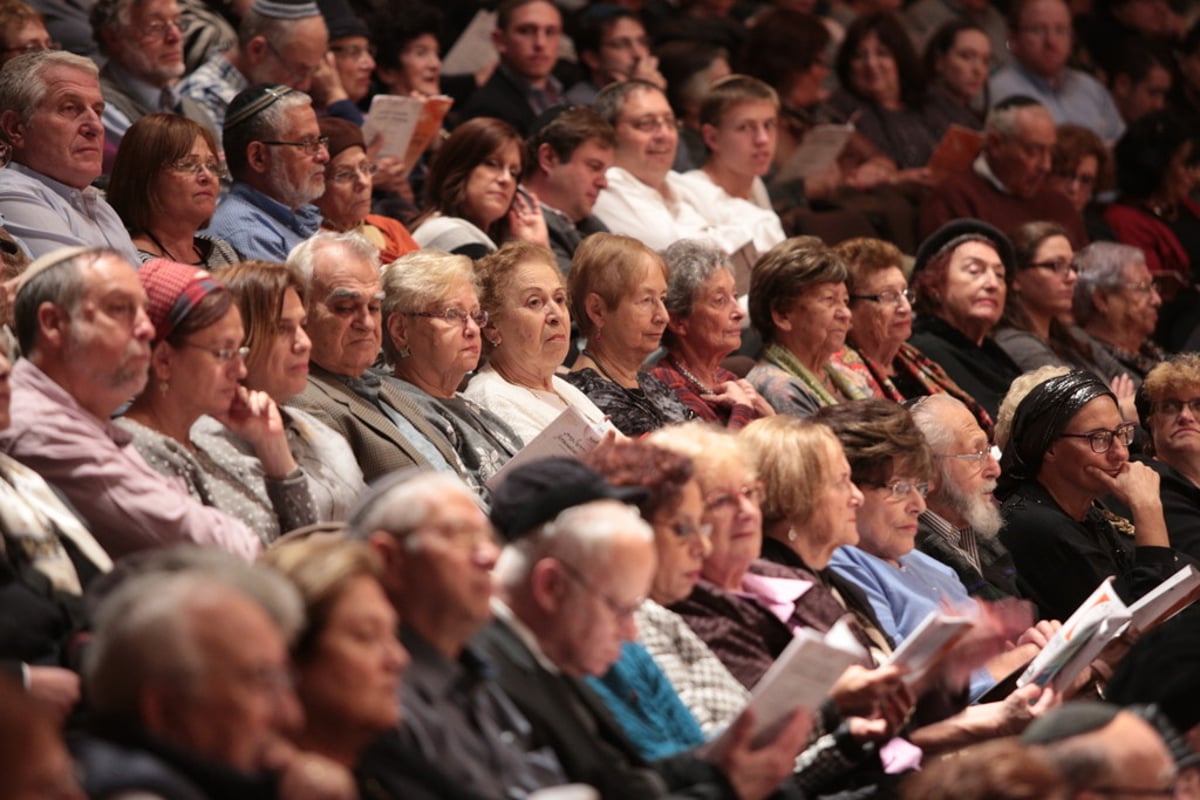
x=960 y=523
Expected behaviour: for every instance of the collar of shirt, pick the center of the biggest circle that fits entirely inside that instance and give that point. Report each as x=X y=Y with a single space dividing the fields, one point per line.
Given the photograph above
x=305 y=220
x=549 y=96
x=50 y=389
x=984 y=170
x=527 y=637
x=82 y=200
x=778 y=595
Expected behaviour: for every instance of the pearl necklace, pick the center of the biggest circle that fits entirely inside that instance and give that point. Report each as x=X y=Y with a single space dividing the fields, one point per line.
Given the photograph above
x=675 y=362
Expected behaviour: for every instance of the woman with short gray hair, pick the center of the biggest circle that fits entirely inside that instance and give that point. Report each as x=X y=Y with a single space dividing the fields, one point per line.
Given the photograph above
x=1116 y=303
x=705 y=326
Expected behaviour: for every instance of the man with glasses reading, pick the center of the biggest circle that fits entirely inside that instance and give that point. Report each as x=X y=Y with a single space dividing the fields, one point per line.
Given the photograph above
x=277 y=156
x=961 y=519
x=143 y=41
x=279 y=42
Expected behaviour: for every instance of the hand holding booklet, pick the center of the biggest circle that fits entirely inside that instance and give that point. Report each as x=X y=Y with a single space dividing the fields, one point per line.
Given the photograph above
x=406 y=124
x=800 y=678
x=933 y=639
x=570 y=434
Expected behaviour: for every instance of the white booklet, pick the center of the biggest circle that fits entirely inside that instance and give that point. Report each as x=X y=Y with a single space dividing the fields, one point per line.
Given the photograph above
x=818 y=151
x=570 y=434
x=801 y=677
x=937 y=634
x=1168 y=598
x=1094 y=624
x=473 y=49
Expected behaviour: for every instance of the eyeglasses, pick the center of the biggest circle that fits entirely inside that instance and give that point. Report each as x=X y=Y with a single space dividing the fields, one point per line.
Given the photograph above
x=33 y=47
x=978 y=457
x=652 y=122
x=353 y=52
x=311 y=145
x=1145 y=287
x=1101 y=441
x=1172 y=407
x=298 y=71
x=465 y=537
x=901 y=489
x=196 y=166
x=621 y=611
x=729 y=501
x=1077 y=178
x=159 y=28
x=350 y=174
x=1059 y=266
x=222 y=354
x=455 y=316
x=890 y=297
x=687 y=531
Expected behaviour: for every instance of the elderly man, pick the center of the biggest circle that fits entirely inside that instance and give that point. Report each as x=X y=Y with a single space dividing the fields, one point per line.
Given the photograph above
x=279 y=41
x=528 y=37
x=188 y=678
x=143 y=42
x=1104 y=751
x=1006 y=184
x=1116 y=304
x=1039 y=39
x=645 y=199
x=578 y=564
x=80 y=317
x=51 y=105
x=961 y=520
x=568 y=157
x=438 y=551
x=385 y=429
x=277 y=156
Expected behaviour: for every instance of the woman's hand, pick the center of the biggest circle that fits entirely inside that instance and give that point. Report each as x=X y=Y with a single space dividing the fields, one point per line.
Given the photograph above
x=1122 y=386
x=254 y=417
x=1013 y=714
x=867 y=692
x=872 y=173
x=326 y=87
x=921 y=175
x=525 y=220
x=740 y=393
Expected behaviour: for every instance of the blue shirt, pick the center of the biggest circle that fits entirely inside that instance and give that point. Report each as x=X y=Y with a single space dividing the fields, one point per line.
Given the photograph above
x=259 y=227
x=903 y=596
x=1075 y=98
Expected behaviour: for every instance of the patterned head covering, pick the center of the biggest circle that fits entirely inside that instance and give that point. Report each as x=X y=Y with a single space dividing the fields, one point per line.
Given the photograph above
x=1041 y=417
x=172 y=291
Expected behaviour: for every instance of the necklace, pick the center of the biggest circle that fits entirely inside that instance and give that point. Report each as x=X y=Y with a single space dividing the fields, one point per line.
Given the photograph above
x=675 y=362
x=200 y=259
x=605 y=372
x=637 y=397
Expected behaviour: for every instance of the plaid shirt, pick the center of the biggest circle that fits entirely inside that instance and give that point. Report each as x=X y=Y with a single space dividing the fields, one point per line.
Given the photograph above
x=213 y=85
x=732 y=417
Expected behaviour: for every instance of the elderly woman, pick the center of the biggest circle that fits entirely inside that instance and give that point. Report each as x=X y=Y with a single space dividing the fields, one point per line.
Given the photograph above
x=1169 y=405
x=272 y=305
x=1034 y=329
x=959 y=279
x=705 y=327
x=1116 y=304
x=432 y=322
x=1069 y=447
x=800 y=306
x=618 y=288
x=347 y=659
x=881 y=322
x=165 y=183
x=526 y=339
x=346 y=203
x=471 y=190
x=196 y=367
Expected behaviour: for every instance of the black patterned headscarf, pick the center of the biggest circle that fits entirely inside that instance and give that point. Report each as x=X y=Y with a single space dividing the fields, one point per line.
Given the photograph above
x=1040 y=418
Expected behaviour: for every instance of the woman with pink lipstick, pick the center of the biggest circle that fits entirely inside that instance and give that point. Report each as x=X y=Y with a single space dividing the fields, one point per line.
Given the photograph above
x=618 y=289
x=800 y=305
x=432 y=339
x=271 y=301
x=1069 y=447
x=197 y=365
x=165 y=183
x=526 y=340
x=882 y=320
x=705 y=327
x=347 y=659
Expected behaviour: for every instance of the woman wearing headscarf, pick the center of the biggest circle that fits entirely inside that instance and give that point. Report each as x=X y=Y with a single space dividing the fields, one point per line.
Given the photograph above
x=1068 y=448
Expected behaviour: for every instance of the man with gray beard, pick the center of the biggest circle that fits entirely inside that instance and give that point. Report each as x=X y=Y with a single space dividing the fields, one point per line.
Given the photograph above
x=960 y=523
x=277 y=156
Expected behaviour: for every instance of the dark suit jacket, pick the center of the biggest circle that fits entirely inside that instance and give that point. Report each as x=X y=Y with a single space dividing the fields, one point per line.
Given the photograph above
x=377 y=442
x=565 y=235
x=503 y=98
x=595 y=750
x=999 y=577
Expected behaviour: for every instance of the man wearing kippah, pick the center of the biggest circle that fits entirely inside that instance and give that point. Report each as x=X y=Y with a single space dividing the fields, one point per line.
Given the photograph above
x=279 y=42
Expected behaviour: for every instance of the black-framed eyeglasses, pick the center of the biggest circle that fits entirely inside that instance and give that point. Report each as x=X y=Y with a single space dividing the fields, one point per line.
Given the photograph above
x=901 y=489
x=1061 y=266
x=1101 y=441
x=621 y=611
x=311 y=145
x=222 y=354
x=1173 y=407
x=455 y=316
x=890 y=297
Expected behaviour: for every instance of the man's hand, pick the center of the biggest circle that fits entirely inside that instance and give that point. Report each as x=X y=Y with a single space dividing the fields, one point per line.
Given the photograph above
x=57 y=686
x=757 y=772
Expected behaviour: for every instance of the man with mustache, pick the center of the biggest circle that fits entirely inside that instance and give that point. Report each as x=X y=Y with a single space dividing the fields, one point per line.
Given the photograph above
x=51 y=118
x=277 y=156
x=961 y=520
